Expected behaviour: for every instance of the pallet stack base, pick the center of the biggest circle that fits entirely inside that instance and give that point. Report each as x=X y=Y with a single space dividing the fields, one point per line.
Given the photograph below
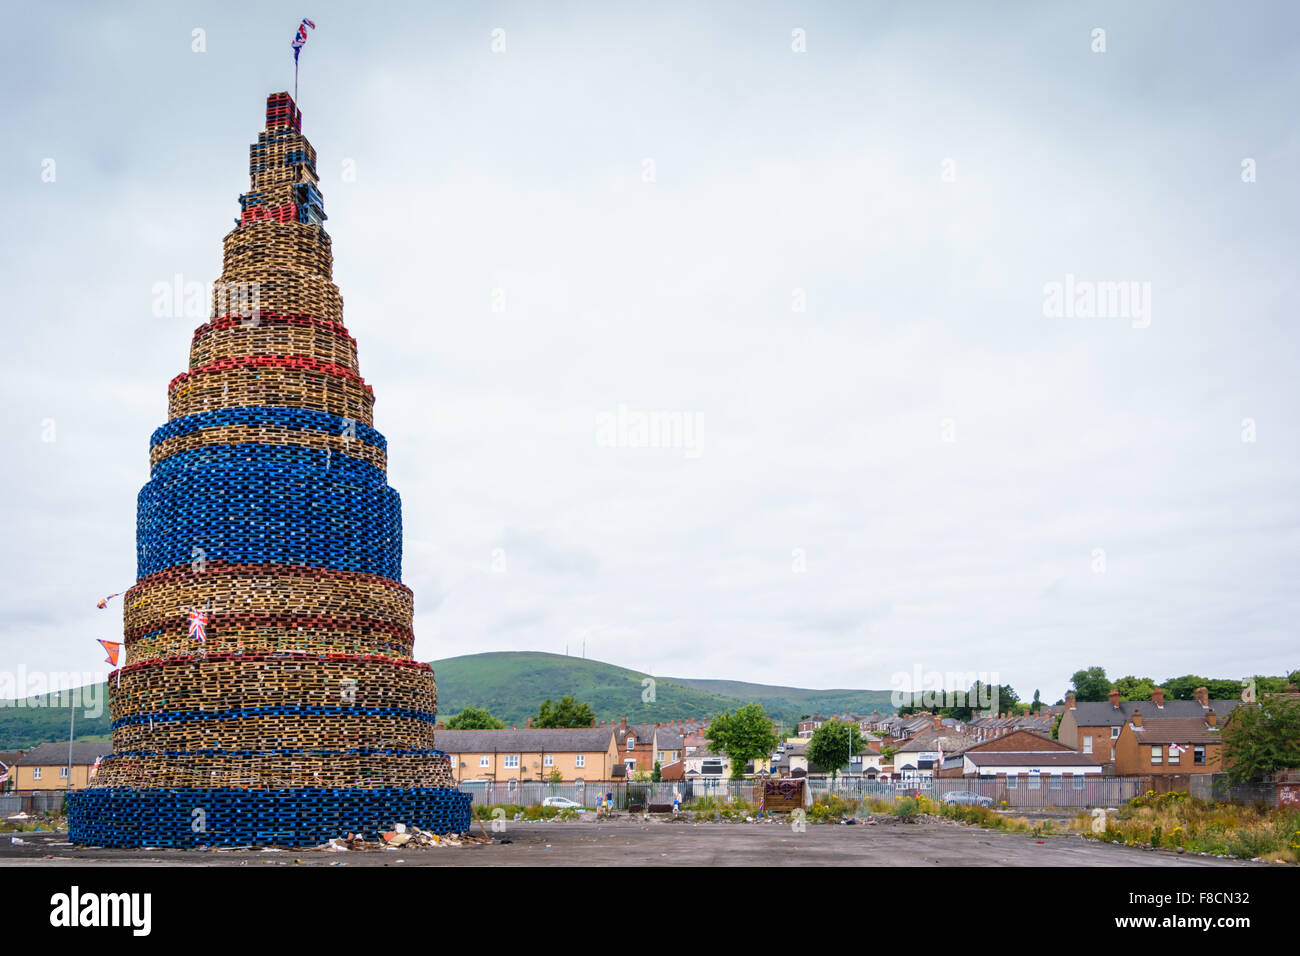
x=300 y=817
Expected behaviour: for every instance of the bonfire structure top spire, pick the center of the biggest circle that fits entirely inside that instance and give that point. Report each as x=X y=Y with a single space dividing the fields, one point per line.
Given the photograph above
x=269 y=694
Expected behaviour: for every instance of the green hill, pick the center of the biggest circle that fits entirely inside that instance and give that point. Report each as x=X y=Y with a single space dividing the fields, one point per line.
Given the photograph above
x=512 y=684
x=796 y=700
x=44 y=718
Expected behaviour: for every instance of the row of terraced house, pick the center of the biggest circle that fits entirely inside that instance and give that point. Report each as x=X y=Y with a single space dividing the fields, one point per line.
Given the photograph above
x=1053 y=747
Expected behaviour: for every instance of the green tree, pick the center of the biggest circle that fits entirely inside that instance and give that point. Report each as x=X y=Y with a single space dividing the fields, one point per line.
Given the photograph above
x=1184 y=688
x=997 y=698
x=567 y=713
x=474 y=718
x=658 y=773
x=743 y=735
x=1037 y=703
x=833 y=744
x=1260 y=740
x=1135 y=688
x=1268 y=685
x=1090 y=684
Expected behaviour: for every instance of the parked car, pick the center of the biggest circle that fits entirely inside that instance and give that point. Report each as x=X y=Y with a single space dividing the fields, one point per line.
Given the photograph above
x=966 y=797
x=562 y=802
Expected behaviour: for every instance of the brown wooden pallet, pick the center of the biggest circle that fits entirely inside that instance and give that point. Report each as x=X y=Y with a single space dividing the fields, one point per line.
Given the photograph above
x=278 y=770
x=272 y=386
x=243 y=434
x=277 y=731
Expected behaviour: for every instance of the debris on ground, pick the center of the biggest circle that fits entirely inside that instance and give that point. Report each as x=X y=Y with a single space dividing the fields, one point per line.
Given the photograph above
x=406 y=837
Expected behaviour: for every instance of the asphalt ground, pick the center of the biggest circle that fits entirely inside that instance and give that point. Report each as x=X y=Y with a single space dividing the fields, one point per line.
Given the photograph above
x=628 y=842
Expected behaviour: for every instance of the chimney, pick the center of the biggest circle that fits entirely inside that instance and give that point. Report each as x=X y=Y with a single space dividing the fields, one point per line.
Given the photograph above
x=623 y=724
x=528 y=722
x=1158 y=697
x=1203 y=695
x=1212 y=719
x=1113 y=697
x=1137 y=718
x=938 y=722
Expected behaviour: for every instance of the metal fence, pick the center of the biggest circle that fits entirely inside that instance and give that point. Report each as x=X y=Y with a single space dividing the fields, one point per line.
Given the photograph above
x=589 y=794
x=1044 y=791
x=32 y=801
x=1028 y=792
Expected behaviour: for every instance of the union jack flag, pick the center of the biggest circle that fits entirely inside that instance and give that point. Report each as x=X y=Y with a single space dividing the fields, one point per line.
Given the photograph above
x=300 y=38
x=104 y=603
x=198 y=625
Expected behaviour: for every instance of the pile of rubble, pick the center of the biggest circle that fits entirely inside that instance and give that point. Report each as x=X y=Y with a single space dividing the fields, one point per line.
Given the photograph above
x=400 y=836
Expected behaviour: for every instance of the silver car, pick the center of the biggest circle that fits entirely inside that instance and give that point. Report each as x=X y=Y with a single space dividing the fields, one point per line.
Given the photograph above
x=562 y=803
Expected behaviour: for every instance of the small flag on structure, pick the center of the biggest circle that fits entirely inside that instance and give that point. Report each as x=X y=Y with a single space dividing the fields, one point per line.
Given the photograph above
x=198 y=625
x=112 y=647
x=94 y=768
x=104 y=603
x=300 y=38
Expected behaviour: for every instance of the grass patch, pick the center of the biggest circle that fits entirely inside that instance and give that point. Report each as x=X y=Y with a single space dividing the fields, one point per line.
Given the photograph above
x=1178 y=820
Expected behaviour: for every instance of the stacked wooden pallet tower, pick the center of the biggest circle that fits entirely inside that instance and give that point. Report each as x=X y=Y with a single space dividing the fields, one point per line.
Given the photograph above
x=300 y=716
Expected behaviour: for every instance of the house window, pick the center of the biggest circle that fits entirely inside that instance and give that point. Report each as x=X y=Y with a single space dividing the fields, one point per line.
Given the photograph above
x=63 y=772
x=1175 y=753
x=1078 y=781
x=1157 y=754
x=511 y=783
x=36 y=773
x=548 y=760
x=512 y=762
x=580 y=760
x=1114 y=733
x=484 y=761
x=1033 y=781
x=630 y=764
x=1198 y=755
x=631 y=742
x=1013 y=781
x=1087 y=745
x=1056 y=782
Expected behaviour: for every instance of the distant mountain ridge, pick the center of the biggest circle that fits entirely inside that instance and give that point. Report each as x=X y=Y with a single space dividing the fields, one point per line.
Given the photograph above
x=512 y=684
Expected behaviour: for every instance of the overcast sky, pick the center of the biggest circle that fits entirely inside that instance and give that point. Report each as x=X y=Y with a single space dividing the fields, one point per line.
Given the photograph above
x=834 y=261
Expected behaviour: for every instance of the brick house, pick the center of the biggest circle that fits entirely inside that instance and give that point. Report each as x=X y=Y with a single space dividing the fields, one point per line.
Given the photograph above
x=579 y=754
x=1013 y=742
x=919 y=756
x=667 y=744
x=1169 y=745
x=1031 y=755
x=1093 y=727
x=636 y=745
x=45 y=766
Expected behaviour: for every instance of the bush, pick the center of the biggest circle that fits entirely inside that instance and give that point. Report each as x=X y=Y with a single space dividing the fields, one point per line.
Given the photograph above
x=907 y=809
x=1251 y=842
x=831 y=807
